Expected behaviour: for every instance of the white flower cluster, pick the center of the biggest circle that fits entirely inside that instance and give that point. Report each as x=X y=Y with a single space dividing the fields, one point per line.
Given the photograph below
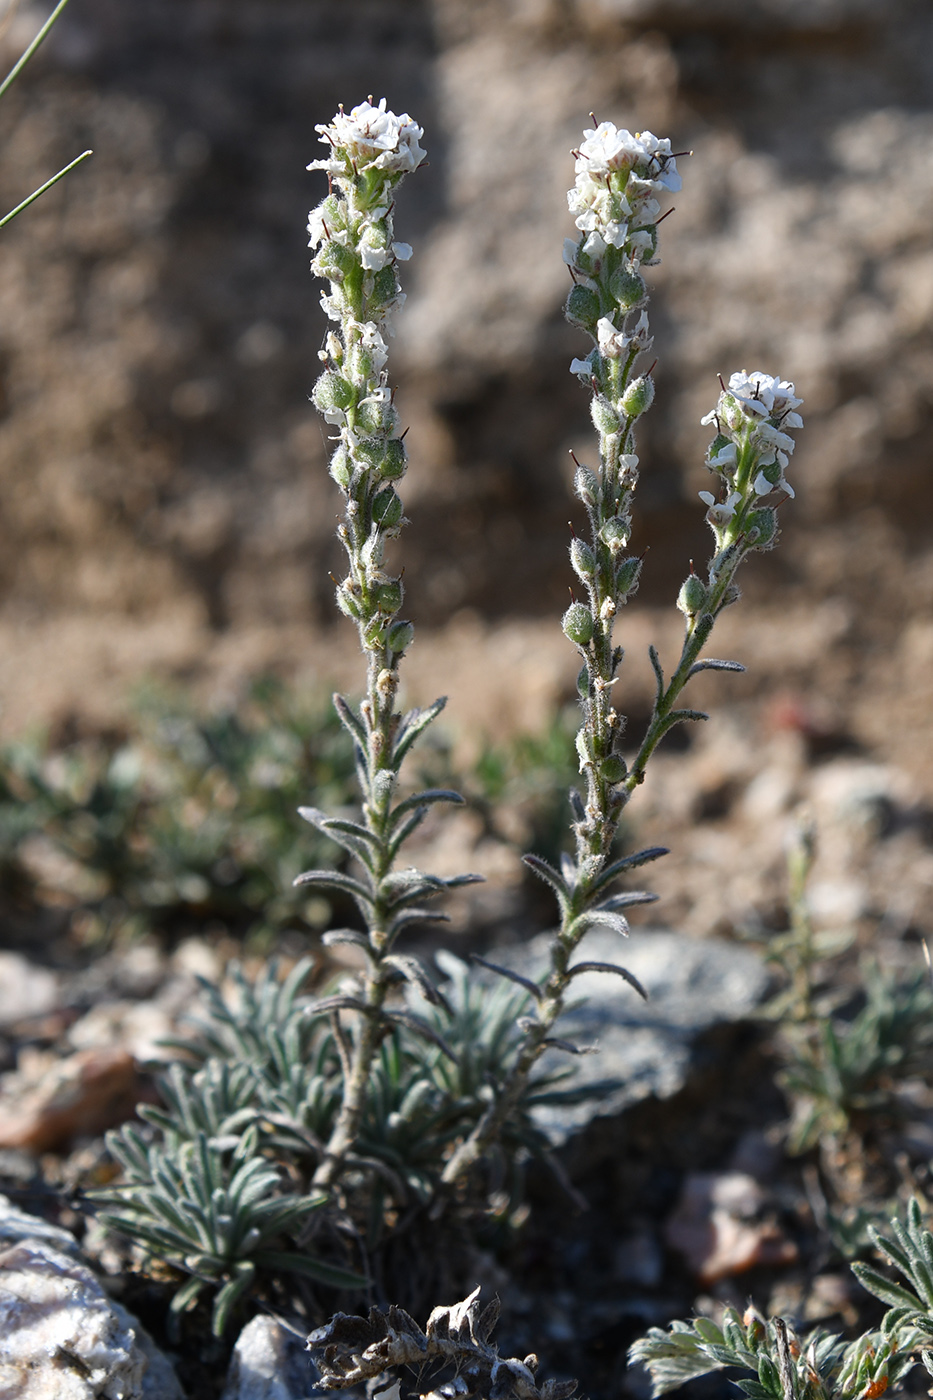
x=752 y=447
x=617 y=176
x=370 y=137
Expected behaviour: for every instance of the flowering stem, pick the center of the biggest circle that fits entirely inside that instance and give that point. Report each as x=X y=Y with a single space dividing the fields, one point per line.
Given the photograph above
x=371 y=151
x=617 y=175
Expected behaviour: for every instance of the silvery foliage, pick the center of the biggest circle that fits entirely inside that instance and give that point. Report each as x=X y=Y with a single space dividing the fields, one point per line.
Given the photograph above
x=257 y=1093
x=452 y=1358
x=779 y=1365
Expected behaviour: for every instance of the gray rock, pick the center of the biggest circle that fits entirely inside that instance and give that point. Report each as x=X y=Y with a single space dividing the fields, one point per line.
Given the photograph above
x=25 y=990
x=61 y=1337
x=159 y=1379
x=645 y=1048
x=269 y=1363
x=16 y=1226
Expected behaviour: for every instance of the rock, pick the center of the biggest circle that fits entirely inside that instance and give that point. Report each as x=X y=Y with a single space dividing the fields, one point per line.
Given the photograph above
x=645 y=1047
x=26 y=991
x=17 y=1225
x=715 y=1227
x=60 y=1337
x=269 y=1363
x=159 y=1379
x=85 y=1093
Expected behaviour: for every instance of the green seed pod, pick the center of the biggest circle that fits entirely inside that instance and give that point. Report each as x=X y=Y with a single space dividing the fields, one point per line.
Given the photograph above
x=692 y=596
x=638 y=397
x=581 y=557
x=586 y=485
x=615 y=534
x=762 y=528
x=389 y=596
x=387 y=508
x=341 y=467
x=374 y=635
x=613 y=768
x=583 y=682
x=577 y=623
x=373 y=418
x=332 y=391
x=394 y=460
x=627 y=575
x=628 y=288
x=333 y=261
x=347 y=603
x=582 y=308
x=605 y=419
x=385 y=284
x=400 y=637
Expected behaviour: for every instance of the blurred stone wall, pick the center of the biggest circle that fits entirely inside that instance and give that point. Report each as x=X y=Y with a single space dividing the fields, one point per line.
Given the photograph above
x=163 y=501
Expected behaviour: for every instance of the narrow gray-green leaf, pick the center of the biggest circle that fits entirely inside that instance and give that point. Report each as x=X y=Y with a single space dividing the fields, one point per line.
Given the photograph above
x=622 y=972
x=531 y=987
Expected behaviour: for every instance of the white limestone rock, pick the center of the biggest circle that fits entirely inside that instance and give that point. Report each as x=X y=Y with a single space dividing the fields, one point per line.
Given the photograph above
x=269 y=1363
x=61 y=1337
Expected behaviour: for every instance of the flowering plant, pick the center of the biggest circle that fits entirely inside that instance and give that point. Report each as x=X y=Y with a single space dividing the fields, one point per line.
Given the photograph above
x=391 y=1090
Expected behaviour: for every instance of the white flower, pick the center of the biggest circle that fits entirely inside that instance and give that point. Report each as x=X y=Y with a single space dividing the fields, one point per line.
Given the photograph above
x=373 y=256
x=612 y=343
x=762 y=486
x=770 y=436
x=371 y=136
x=640 y=336
x=370 y=339
x=402 y=251
x=379 y=396
x=764 y=394
x=316 y=230
x=595 y=245
x=331 y=307
x=570 y=252
x=725 y=457
x=581 y=367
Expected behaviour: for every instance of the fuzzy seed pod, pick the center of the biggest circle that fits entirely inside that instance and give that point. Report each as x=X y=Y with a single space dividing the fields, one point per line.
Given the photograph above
x=332 y=391
x=581 y=557
x=613 y=769
x=628 y=288
x=387 y=508
x=605 y=419
x=692 y=596
x=400 y=637
x=583 y=308
x=389 y=596
x=577 y=623
x=615 y=534
x=638 y=397
x=586 y=485
x=762 y=527
x=627 y=575
x=341 y=468
x=394 y=461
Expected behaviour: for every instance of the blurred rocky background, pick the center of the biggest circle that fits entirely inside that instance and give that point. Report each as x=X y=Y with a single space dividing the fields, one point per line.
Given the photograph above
x=164 y=507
